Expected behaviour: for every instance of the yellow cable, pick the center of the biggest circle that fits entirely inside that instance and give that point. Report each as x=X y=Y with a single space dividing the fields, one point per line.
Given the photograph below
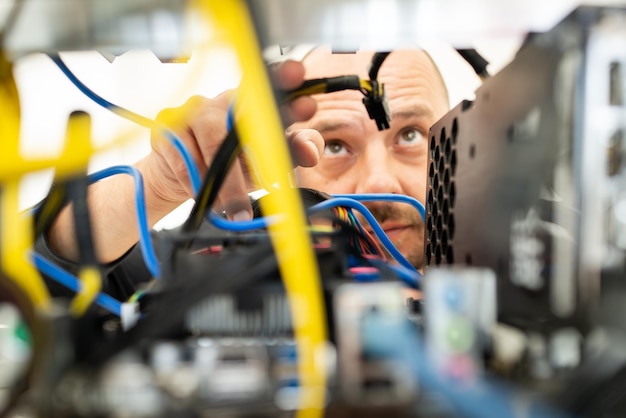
x=15 y=241
x=91 y=283
x=321 y=87
x=310 y=90
x=15 y=229
x=366 y=85
x=261 y=134
x=77 y=142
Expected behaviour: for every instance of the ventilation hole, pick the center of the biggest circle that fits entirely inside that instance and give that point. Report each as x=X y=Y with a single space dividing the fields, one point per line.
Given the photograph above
x=615 y=153
x=451 y=226
x=435 y=211
x=441 y=165
x=453 y=162
x=445 y=211
x=433 y=236
x=444 y=241
x=439 y=225
x=448 y=149
x=452 y=194
x=436 y=182
x=428 y=253
x=440 y=195
x=455 y=131
x=432 y=146
x=438 y=255
x=446 y=180
x=437 y=153
x=466 y=104
x=442 y=137
x=429 y=223
x=450 y=255
x=472 y=151
x=431 y=170
x=616 y=95
x=431 y=197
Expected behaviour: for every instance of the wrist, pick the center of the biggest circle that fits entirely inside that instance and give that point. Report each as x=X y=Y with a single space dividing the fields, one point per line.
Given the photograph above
x=161 y=197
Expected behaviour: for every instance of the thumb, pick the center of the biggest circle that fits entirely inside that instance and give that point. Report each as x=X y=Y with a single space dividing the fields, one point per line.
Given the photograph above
x=306 y=145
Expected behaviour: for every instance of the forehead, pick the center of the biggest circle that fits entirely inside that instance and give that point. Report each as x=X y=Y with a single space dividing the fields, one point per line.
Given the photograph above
x=408 y=72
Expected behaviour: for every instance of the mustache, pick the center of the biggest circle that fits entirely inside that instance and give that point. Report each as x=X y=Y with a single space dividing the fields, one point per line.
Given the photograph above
x=384 y=213
x=390 y=211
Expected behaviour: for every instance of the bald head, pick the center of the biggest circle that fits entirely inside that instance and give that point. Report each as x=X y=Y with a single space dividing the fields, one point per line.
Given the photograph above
x=321 y=62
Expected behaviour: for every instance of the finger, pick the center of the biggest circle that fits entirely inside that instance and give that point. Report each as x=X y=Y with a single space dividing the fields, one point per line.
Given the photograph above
x=209 y=130
x=306 y=145
x=288 y=75
x=178 y=171
x=301 y=109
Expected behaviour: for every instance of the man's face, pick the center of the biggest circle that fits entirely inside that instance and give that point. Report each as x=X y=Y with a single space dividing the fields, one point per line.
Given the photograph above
x=360 y=159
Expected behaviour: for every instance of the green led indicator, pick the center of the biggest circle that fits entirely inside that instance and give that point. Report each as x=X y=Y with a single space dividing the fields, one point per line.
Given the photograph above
x=22 y=333
x=459 y=334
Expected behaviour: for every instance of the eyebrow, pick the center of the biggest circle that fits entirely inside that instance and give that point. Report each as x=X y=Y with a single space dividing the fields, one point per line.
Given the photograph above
x=412 y=111
x=407 y=112
x=333 y=125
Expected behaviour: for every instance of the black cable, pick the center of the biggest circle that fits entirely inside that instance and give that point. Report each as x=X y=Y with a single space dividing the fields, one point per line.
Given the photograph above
x=375 y=63
x=77 y=191
x=325 y=85
x=477 y=61
x=48 y=209
x=213 y=180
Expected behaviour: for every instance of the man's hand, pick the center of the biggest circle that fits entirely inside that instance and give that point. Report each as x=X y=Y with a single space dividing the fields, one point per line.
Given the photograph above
x=203 y=129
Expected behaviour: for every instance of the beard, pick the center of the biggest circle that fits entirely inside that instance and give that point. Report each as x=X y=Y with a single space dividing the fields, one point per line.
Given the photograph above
x=407 y=228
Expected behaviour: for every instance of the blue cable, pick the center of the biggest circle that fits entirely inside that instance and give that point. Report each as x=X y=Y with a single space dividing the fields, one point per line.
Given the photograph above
x=410 y=277
x=407 y=273
x=237 y=226
x=73 y=283
x=391 y=197
x=230 y=117
x=138 y=119
x=145 y=240
x=384 y=239
x=259 y=223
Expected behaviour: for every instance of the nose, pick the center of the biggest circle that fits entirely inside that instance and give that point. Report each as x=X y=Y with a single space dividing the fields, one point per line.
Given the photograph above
x=377 y=172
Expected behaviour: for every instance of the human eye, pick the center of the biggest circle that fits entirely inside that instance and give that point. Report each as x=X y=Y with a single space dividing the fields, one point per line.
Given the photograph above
x=335 y=148
x=409 y=136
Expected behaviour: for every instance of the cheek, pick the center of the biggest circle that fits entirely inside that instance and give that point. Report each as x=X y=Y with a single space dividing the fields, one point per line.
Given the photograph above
x=413 y=181
x=308 y=177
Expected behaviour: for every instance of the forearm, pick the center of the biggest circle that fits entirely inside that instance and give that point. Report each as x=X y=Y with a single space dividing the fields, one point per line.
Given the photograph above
x=113 y=217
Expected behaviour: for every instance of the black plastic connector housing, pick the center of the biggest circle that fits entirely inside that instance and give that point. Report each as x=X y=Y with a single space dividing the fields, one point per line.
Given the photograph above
x=377 y=105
